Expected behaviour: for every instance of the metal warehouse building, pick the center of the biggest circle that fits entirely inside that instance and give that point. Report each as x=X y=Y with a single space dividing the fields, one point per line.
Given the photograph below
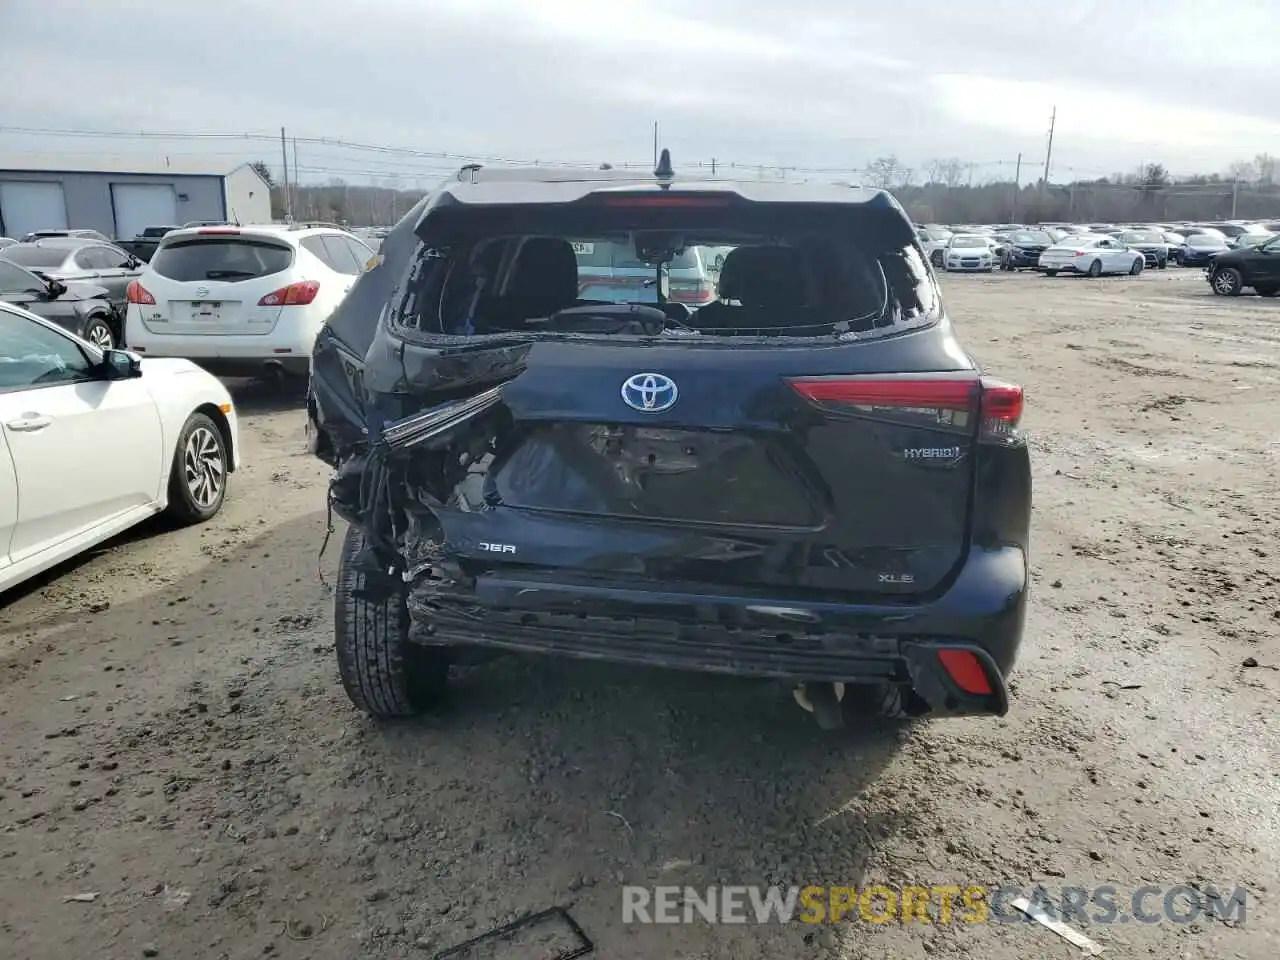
x=119 y=196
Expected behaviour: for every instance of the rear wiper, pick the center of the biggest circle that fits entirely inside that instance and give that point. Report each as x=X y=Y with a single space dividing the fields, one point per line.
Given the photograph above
x=227 y=274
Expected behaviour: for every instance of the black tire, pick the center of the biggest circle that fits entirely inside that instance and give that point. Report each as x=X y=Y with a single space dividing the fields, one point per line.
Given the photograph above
x=1051 y=273
x=198 y=476
x=1226 y=282
x=936 y=258
x=98 y=332
x=383 y=673
x=874 y=701
x=1180 y=260
x=1137 y=268
x=1095 y=270
x=1163 y=264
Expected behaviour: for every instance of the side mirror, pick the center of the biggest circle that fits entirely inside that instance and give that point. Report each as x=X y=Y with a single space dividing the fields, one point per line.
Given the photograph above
x=120 y=365
x=133 y=264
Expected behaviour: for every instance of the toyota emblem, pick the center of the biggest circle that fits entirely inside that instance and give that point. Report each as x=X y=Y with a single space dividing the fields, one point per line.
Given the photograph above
x=649 y=392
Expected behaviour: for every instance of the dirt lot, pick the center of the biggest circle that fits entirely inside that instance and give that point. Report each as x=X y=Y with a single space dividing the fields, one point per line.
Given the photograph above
x=173 y=738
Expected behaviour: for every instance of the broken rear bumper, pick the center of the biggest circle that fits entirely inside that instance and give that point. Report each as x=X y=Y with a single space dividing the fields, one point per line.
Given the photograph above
x=720 y=631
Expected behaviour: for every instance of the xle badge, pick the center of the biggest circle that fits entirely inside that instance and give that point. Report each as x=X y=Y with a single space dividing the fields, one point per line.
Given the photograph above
x=897 y=578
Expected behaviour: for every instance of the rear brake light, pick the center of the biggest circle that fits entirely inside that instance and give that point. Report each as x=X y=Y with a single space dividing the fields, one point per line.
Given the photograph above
x=934 y=393
x=966 y=670
x=137 y=293
x=294 y=295
x=662 y=200
x=218 y=231
x=944 y=400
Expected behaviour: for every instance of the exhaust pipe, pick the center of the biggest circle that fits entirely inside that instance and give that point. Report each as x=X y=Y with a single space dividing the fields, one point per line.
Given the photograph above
x=823 y=701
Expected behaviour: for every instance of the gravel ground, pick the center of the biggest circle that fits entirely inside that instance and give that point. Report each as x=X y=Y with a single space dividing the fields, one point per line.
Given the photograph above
x=174 y=741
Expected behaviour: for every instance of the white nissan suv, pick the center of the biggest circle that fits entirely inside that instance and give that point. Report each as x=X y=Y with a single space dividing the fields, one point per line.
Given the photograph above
x=242 y=300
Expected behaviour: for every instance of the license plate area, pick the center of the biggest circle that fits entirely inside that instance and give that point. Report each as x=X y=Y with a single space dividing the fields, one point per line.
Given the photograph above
x=206 y=310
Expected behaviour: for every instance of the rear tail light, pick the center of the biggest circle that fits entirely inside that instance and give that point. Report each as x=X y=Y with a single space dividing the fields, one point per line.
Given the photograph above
x=294 y=295
x=965 y=669
x=701 y=292
x=1002 y=404
x=942 y=400
x=137 y=293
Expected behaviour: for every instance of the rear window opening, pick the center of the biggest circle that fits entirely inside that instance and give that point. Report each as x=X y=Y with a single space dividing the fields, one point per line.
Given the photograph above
x=37 y=257
x=221 y=258
x=748 y=271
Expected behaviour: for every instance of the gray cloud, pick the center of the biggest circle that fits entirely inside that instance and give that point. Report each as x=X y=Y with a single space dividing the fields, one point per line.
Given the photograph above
x=809 y=83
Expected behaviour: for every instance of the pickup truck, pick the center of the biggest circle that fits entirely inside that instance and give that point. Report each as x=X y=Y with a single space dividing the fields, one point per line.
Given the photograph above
x=144 y=245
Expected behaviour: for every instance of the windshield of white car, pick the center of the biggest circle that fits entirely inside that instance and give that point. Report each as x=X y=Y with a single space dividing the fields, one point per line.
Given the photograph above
x=1141 y=236
x=969 y=242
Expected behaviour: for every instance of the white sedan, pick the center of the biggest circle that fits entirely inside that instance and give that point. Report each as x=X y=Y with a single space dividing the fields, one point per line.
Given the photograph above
x=93 y=442
x=969 y=252
x=1091 y=256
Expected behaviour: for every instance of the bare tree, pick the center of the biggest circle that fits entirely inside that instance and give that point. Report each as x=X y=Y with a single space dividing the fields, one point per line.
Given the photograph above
x=1265 y=164
x=1155 y=175
x=1243 y=171
x=264 y=172
x=883 y=172
x=951 y=171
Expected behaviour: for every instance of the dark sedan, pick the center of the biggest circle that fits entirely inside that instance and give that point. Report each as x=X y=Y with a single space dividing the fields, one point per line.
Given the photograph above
x=1200 y=249
x=79 y=307
x=1023 y=248
x=1150 y=243
x=82 y=261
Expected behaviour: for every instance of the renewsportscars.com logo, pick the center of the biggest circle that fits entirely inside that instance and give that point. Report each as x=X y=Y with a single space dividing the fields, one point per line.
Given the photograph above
x=939 y=903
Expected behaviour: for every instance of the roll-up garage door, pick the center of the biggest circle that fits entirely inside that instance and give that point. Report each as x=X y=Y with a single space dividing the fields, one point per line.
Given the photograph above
x=30 y=205
x=141 y=205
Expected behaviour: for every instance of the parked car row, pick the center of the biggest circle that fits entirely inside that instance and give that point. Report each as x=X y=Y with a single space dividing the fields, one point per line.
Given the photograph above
x=1095 y=248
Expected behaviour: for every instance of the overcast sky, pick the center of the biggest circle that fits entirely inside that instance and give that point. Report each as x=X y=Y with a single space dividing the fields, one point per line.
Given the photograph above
x=800 y=83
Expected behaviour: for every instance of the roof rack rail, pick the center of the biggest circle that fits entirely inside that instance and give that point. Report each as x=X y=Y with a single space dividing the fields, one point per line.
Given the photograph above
x=311 y=224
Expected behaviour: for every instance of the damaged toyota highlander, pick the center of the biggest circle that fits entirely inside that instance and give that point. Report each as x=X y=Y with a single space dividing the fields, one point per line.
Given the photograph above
x=806 y=479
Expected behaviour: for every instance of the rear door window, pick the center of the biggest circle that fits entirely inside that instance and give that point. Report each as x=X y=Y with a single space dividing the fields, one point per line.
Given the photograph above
x=341 y=257
x=40 y=258
x=221 y=258
x=358 y=250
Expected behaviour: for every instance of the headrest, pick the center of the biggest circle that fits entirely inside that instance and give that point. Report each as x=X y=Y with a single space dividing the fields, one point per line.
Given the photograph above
x=762 y=276
x=545 y=266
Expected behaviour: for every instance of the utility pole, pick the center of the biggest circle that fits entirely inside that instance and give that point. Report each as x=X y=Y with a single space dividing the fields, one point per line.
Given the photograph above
x=713 y=166
x=297 y=184
x=655 y=144
x=285 y=202
x=971 y=173
x=1017 y=187
x=1048 y=156
x=1235 y=196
